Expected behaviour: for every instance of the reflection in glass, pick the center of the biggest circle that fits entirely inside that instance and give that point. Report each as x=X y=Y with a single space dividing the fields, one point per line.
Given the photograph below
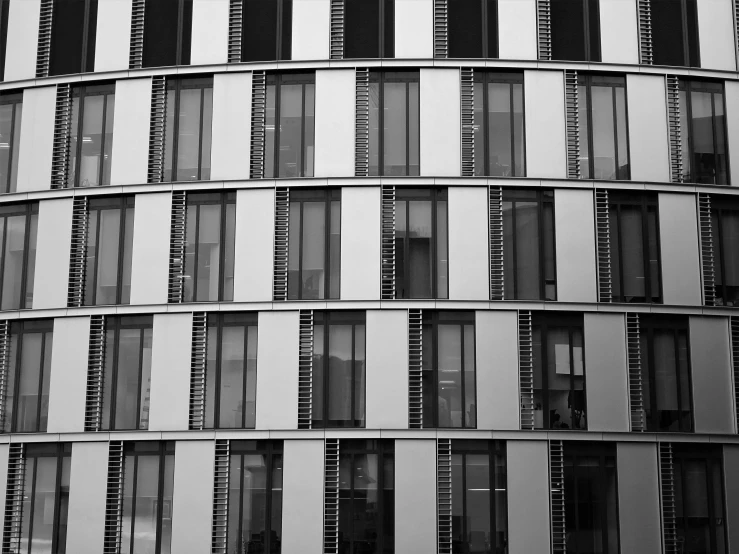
x=725 y=225
x=11 y=111
x=91 y=139
x=703 y=131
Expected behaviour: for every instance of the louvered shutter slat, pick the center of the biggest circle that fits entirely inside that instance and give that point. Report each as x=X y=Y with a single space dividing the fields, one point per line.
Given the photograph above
x=14 y=498
x=43 y=51
x=544 y=28
x=636 y=398
x=468 y=122
x=707 y=257
x=673 y=119
x=222 y=469
x=387 y=246
x=667 y=491
x=258 y=115
x=197 y=370
x=526 y=369
x=305 y=370
x=136 y=49
x=444 y=495
x=415 y=369
x=114 y=499
x=155 y=172
x=361 y=134
x=4 y=368
x=177 y=249
x=337 y=30
x=441 y=29
x=644 y=9
x=95 y=364
x=557 y=497
x=78 y=252
x=603 y=229
x=331 y=497
x=62 y=137
x=235 y=30
x=735 y=363
x=281 y=243
x=495 y=232
x=572 y=106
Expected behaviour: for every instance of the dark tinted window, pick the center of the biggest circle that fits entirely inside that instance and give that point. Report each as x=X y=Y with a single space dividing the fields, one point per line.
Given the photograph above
x=4 y=9
x=73 y=33
x=91 y=136
x=267 y=30
x=675 y=32
x=369 y=29
x=167 y=33
x=725 y=224
x=18 y=226
x=11 y=110
x=473 y=28
x=575 y=30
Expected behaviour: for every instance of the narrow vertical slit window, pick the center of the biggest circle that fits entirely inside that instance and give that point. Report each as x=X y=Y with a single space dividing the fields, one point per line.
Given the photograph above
x=11 y=110
x=675 y=32
x=91 y=140
x=473 y=28
x=167 y=33
x=73 y=34
x=725 y=224
x=369 y=29
x=18 y=230
x=267 y=30
x=575 y=30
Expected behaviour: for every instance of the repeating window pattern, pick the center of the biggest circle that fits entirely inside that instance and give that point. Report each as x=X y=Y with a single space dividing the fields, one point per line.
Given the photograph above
x=73 y=36
x=725 y=227
x=473 y=29
x=18 y=233
x=11 y=111
x=164 y=43
x=575 y=30
x=369 y=29
x=91 y=136
x=674 y=26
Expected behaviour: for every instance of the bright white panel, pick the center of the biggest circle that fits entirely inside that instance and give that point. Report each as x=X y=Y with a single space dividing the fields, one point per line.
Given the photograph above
x=170 y=372
x=414 y=29
x=229 y=155
x=496 y=356
x=335 y=118
x=37 y=139
x=647 y=113
x=360 y=243
x=113 y=37
x=517 y=36
x=150 y=262
x=678 y=235
x=716 y=34
x=302 y=497
x=387 y=369
x=130 y=163
x=209 y=32
x=638 y=498
x=255 y=222
x=574 y=223
x=731 y=483
x=469 y=272
x=88 y=478
x=544 y=102
x=528 y=496
x=192 y=503
x=22 y=41
x=68 y=382
x=415 y=496
x=619 y=36
x=53 y=243
x=731 y=89
x=311 y=30
x=277 y=370
x=441 y=133
x=4 y=451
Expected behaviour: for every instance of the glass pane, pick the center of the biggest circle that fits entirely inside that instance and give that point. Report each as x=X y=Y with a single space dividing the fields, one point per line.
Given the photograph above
x=442 y=250
x=359 y=374
x=188 y=137
x=293 y=251
x=420 y=248
x=6 y=130
x=314 y=251
x=108 y=369
x=684 y=376
x=167 y=497
x=457 y=502
x=538 y=378
x=147 y=498
x=450 y=376
x=92 y=142
x=526 y=252
x=576 y=401
x=478 y=503
x=127 y=257
x=211 y=368
x=623 y=168
x=45 y=382
x=653 y=249
x=374 y=129
x=632 y=254
x=470 y=403
x=107 y=262
x=318 y=373
x=584 y=132
x=729 y=232
x=414 y=130
x=251 y=377
x=703 y=146
x=169 y=138
x=310 y=124
x=31 y=262
x=254 y=508
x=208 y=253
x=478 y=130
x=340 y=375
x=235 y=539
x=64 y=505
x=27 y=517
x=720 y=130
x=207 y=130
x=499 y=127
x=191 y=237
x=28 y=388
x=291 y=131
x=604 y=144
x=395 y=131
x=44 y=508
x=335 y=250
x=15 y=234
x=127 y=385
x=74 y=139
x=402 y=288
x=665 y=380
x=229 y=254
x=108 y=143
x=685 y=134
x=232 y=377
x=145 y=380
x=365 y=509
x=519 y=147
x=269 y=132
x=91 y=251
x=129 y=469
x=559 y=369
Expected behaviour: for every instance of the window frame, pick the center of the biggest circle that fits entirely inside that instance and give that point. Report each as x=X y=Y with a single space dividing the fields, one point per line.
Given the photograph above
x=283 y=39
x=589 y=40
x=89 y=38
x=28 y=210
x=689 y=24
x=488 y=11
x=14 y=99
x=183 y=42
x=81 y=93
x=385 y=30
x=719 y=208
x=4 y=12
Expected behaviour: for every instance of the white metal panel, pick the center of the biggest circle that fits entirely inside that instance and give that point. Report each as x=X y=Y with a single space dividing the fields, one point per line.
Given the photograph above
x=229 y=155
x=678 y=235
x=360 y=243
x=277 y=370
x=302 y=497
x=731 y=89
x=209 y=32
x=638 y=498
x=37 y=139
x=415 y=496
x=170 y=372
x=544 y=101
x=606 y=372
x=192 y=503
x=131 y=120
x=68 y=382
x=574 y=224
x=649 y=151
x=517 y=35
x=711 y=372
x=253 y=264
x=441 y=128
x=387 y=369
x=496 y=356
x=22 y=41
x=619 y=35
x=716 y=34
x=528 y=496
x=469 y=269
x=311 y=30
x=731 y=484
x=4 y=455
x=150 y=261
x=53 y=243
x=88 y=483
x=113 y=36
x=414 y=28
x=335 y=118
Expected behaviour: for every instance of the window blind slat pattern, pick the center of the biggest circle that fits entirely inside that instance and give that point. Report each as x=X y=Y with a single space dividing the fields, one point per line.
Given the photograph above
x=526 y=369
x=136 y=48
x=305 y=370
x=177 y=249
x=636 y=391
x=603 y=228
x=361 y=144
x=331 y=498
x=441 y=29
x=544 y=29
x=735 y=363
x=667 y=492
x=78 y=252
x=4 y=367
x=43 y=50
x=415 y=369
x=281 y=243
x=706 y=244
x=468 y=122
x=62 y=133
x=156 y=129
x=387 y=231
x=14 y=498
x=557 y=497
x=337 y=30
x=114 y=499
x=644 y=9
x=235 y=29
x=197 y=370
x=572 y=108
x=95 y=362
x=495 y=231
x=444 y=495
x=673 y=120
x=258 y=117
x=220 y=497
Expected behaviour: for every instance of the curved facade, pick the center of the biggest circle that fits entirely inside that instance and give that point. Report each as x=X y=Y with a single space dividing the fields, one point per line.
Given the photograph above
x=369 y=276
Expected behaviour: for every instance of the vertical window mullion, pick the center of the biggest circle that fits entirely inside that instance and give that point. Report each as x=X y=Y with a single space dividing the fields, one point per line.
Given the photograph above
x=715 y=138
x=434 y=242
x=278 y=34
x=57 y=499
x=686 y=35
x=219 y=362
x=40 y=381
x=222 y=247
x=178 y=53
x=245 y=330
x=201 y=91
x=278 y=117
x=648 y=293
x=135 y=460
x=541 y=242
x=77 y=128
x=196 y=250
x=160 y=492
x=242 y=470
x=327 y=244
x=18 y=377
x=101 y=169
x=123 y=210
x=615 y=131
x=26 y=246
x=34 y=478
x=139 y=382
x=301 y=223
x=353 y=395
x=97 y=255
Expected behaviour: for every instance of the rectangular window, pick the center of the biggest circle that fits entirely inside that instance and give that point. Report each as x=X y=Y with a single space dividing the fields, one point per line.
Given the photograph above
x=109 y=251
x=289 y=125
x=591 y=498
x=338 y=369
x=11 y=110
x=91 y=139
x=369 y=29
x=675 y=32
x=604 y=148
x=29 y=366
x=421 y=243
x=127 y=372
x=267 y=30
x=167 y=33
x=18 y=229
x=188 y=128
x=725 y=223
x=703 y=130
x=148 y=482
x=559 y=371
x=479 y=497
x=255 y=497
x=231 y=371
x=367 y=496
x=499 y=124
x=449 y=369
x=73 y=33
x=4 y=11
x=210 y=241
x=528 y=245
x=575 y=30
x=699 y=498
x=394 y=128
x=665 y=368
x=635 y=259
x=45 y=498
x=472 y=28
x=314 y=251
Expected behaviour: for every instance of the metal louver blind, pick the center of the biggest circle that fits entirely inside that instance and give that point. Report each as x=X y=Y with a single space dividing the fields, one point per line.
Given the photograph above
x=258 y=116
x=177 y=249
x=735 y=363
x=235 y=28
x=468 y=122
x=387 y=245
x=78 y=253
x=222 y=468
x=136 y=50
x=495 y=238
x=43 y=50
x=444 y=495
x=415 y=369
x=544 y=28
x=636 y=398
x=198 y=352
x=282 y=243
x=337 y=30
x=305 y=370
x=4 y=367
x=526 y=369
x=572 y=102
x=645 y=32
x=667 y=492
x=673 y=119
x=14 y=497
x=557 y=496
x=114 y=499
x=155 y=172
x=331 y=498
x=441 y=33
x=361 y=124
x=707 y=259
x=62 y=132
x=603 y=228
x=95 y=362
